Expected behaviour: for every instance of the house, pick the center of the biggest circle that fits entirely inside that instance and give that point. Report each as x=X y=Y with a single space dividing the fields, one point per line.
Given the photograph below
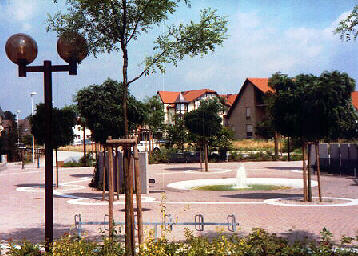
x=178 y=103
x=24 y=127
x=78 y=135
x=248 y=109
x=355 y=99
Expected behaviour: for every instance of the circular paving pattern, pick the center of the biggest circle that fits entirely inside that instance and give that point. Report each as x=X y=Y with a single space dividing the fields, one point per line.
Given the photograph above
x=297 y=202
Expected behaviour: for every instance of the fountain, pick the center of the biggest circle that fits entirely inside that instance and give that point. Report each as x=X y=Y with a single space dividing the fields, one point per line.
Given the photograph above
x=241 y=178
x=239 y=182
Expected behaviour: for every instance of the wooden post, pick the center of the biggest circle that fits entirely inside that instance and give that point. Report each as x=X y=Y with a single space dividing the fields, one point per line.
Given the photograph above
x=130 y=195
x=56 y=169
x=117 y=176
x=138 y=195
x=104 y=173
x=128 y=172
x=110 y=188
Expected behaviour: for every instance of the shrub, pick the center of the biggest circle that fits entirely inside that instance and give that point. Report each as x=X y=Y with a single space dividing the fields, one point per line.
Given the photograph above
x=87 y=161
x=25 y=248
x=258 y=243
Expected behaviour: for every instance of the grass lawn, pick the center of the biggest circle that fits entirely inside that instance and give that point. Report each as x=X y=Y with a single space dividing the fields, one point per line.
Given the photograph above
x=255 y=145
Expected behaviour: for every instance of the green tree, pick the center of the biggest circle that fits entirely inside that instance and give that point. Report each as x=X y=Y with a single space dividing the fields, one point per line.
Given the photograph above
x=113 y=25
x=100 y=106
x=205 y=122
x=347 y=27
x=223 y=140
x=154 y=116
x=62 y=122
x=177 y=133
x=8 y=138
x=313 y=108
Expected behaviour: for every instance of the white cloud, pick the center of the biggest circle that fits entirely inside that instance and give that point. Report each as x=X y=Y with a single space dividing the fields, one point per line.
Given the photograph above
x=26 y=27
x=21 y=10
x=258 y=48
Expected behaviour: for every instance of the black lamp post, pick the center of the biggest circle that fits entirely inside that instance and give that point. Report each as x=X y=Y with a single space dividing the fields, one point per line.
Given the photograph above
x=22 y=50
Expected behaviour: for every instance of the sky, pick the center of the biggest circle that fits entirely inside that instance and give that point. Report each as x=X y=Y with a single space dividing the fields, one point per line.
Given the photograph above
x=264 y=37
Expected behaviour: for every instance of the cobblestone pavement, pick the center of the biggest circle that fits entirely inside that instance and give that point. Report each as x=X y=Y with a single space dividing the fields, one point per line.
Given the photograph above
x=22 y=201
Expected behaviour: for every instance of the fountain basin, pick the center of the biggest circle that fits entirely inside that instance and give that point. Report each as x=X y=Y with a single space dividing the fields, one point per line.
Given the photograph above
x=191 y=184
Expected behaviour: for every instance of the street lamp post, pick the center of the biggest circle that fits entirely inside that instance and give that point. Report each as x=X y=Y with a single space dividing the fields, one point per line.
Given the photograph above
x=22 y=50
x=32 y=113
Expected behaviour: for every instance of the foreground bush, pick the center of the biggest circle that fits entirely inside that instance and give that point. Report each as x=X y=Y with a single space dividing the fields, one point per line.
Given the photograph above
x=257 y=243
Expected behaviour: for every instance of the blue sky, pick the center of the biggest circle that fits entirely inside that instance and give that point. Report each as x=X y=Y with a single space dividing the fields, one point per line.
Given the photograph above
x=265 y=36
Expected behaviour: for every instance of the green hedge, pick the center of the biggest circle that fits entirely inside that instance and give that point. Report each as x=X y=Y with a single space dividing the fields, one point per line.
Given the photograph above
x=257 y=243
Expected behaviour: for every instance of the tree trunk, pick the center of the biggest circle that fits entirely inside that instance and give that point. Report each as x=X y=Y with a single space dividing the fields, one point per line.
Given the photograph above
x=206 y=156
x=309 y=177
x=276 y=146
x=201 y=160
x=304 y=171
x=150 y=144
x=56 y=169
x=288 y=149
x=129 y=214
x=318 y=171
x=84 y=142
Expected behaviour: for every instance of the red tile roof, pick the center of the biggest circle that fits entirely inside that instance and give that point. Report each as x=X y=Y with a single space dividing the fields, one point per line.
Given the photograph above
x=355 y=99
x=168 y=97
x=194 y=94
x=229 y=98
x=260 y=83
x=172 y=97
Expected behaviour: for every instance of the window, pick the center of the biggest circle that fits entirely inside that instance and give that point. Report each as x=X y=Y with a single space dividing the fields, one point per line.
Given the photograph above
x=182 y=108
x=249 y=131
x=248 y=113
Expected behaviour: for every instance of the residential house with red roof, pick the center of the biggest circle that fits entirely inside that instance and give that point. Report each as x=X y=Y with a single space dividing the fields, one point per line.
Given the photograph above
x=178 y=103
x=355 y=99
x=248 y=110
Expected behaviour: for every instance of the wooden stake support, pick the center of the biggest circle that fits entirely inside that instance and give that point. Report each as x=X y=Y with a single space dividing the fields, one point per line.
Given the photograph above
x=129 y=161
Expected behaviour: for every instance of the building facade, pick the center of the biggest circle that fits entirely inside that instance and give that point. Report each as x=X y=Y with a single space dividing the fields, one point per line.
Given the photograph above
x=248 y=110
x=355 y=99
x=179 y=103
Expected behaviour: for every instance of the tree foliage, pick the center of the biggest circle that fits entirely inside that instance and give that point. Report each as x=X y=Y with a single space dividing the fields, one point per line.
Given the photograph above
x=63 y=120
x=313 y=108
x=100 y=106
x=8 y=138
x=177 y=132
x=111 y=25
x=154 y=113
x=204 y=121
x=347 y=27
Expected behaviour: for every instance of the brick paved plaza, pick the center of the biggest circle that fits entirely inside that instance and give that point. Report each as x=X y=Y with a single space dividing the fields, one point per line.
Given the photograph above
x=22 y=201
